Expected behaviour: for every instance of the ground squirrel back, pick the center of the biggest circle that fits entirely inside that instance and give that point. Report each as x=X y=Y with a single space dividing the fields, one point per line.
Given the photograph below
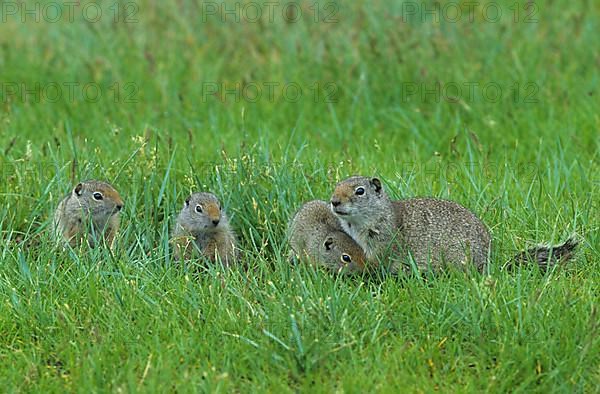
x=436 y=231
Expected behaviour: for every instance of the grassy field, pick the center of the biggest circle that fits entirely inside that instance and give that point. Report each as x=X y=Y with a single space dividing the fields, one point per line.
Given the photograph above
x=496 y=108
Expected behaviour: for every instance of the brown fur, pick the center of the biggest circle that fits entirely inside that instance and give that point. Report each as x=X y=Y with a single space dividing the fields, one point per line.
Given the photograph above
x=196 y=232
x=316 y=234
x=427 y=231
x=80 y=215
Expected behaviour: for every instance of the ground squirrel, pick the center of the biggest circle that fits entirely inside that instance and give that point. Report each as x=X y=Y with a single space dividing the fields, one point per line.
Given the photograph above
x=316 y=233
x=203 y=226
x=428 y=230
x=91 y=210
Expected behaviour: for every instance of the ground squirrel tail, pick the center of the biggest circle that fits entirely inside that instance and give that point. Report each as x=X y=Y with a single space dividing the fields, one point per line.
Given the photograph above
x=546 y=257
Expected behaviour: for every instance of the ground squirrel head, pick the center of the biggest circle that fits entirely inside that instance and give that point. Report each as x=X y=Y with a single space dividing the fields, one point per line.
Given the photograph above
x=96 y=198
x=316 y=233
x=201 y=212
x=358 y=198
x=341 y=253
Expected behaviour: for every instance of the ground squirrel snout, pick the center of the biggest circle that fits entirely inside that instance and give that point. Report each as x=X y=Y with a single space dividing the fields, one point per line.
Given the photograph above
x=202 y=227
x=315 y=233
x=90 y=211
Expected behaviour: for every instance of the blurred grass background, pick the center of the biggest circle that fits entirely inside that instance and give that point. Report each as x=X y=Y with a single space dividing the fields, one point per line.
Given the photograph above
x=167 y=122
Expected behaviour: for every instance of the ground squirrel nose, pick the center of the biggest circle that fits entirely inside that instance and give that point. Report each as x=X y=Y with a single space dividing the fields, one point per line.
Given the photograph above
x=119 y=207
x=335 y=202
x=216 y=221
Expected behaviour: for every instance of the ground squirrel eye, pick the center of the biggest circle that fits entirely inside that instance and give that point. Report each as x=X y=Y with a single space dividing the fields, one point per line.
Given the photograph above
x=98 y=196
x=346 y=258
x=359 y=191
x=199 y=208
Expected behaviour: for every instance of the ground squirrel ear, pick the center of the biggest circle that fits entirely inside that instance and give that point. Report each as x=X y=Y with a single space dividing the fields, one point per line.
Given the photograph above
x=328 y=242
x=78 y=189
x=377 y=183
x=187 y=202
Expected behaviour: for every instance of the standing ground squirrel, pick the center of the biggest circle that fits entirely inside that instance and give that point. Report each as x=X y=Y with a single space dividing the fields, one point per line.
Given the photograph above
x=431 y=231
x=204 y=227
x=315 y=232
x=91 y=210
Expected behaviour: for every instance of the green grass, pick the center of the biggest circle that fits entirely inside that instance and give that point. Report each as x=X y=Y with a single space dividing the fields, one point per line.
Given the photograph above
x=131 y=320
